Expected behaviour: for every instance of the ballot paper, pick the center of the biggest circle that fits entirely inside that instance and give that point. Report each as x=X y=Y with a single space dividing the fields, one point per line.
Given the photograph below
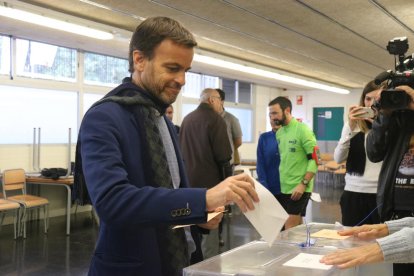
x=210 y=216
x=328 y=234
x=316 y=197
x=268 y=217
x=310 y=261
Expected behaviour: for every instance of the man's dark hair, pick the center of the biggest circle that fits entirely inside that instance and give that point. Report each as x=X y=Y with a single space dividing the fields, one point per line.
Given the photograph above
x=283 y=102
x=222 y=94
x=151 y=32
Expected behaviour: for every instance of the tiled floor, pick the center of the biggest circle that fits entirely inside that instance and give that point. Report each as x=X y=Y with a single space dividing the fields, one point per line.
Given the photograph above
x=58 y=254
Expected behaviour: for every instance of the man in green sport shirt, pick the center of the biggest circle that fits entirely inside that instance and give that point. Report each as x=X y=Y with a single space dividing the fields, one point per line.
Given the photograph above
x=297 y=168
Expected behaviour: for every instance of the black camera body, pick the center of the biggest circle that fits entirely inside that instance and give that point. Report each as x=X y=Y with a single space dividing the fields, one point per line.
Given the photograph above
x=391 y=98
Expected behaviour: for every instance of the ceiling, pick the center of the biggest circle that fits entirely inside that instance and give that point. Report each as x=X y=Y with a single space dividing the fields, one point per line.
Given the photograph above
x=336 y=42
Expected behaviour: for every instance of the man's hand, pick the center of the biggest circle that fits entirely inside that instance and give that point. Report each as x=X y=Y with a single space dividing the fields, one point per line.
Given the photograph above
x=366 y=254
x=214 y=222
x=238 y=189
x=298 y=192
x=366 y=231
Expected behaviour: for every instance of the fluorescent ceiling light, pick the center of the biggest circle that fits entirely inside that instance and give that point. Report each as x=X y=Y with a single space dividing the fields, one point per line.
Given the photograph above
x=53 y=23
x=267 y=74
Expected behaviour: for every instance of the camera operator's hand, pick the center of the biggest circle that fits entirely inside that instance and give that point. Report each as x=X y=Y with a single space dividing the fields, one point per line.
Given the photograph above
x=410 y=92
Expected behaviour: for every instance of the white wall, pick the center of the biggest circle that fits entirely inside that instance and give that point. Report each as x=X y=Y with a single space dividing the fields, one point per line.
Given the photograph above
x=312 y=99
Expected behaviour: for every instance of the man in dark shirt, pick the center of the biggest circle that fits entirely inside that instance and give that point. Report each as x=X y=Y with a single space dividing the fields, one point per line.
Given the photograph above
x=206 y=152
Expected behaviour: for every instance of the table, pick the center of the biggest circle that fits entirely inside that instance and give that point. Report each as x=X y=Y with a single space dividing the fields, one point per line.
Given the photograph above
x=258 y=258
x=61 y=182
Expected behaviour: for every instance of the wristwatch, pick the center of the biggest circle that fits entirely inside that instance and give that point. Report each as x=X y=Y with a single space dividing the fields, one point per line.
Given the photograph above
x=305 y=182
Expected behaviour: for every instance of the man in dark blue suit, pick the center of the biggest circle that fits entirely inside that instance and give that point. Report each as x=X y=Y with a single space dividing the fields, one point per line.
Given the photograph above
x=129 y=158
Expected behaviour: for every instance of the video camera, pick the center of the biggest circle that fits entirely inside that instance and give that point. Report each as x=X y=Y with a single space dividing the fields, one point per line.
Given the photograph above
x=391 y=98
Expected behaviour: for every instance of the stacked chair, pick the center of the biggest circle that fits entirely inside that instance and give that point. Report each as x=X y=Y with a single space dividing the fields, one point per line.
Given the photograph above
x=14 y=181
x=7 y=206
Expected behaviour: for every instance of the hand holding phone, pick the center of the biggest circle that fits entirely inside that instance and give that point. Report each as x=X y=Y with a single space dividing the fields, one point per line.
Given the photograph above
x=364 y=113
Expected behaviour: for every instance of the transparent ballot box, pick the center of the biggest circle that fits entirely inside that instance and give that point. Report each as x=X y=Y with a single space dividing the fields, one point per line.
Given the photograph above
x=258 y=258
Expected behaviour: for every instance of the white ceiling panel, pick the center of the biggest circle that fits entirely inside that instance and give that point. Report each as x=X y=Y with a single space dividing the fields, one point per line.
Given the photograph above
x=336 y=42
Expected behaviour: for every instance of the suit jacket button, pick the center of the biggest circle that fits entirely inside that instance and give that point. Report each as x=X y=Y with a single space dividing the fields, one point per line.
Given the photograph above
x=174 y=213
x=187 y=211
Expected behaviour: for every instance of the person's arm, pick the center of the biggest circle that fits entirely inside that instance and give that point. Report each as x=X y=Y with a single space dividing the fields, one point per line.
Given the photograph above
x=347 y=258
x=236 y=131
x=260 y=162
x=221 y=146
x=398 y=247
x=395 y=248
x=308 y=143
x=117 y=200
x=237 y=138
x=342 y=148
x=371 y=253
x=238 y=189
x=410 y=92
x=237 y=142
x=396 y=225
x=378 y=138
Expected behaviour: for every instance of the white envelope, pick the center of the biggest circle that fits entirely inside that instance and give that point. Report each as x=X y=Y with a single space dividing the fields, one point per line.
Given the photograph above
x=268 y=217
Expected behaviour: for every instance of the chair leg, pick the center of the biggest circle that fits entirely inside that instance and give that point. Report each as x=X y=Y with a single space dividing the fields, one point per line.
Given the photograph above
x=2 y=214
x=19 y=221
x=46 y=217
x=15 y=223
x=23 y=223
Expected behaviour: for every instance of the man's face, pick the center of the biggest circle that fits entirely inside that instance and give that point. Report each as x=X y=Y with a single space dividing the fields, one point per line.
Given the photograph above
x=273 y=125
x=277 y=115
x=169 y=112
x=221 y=106
x=215 y=102
x=164 y=74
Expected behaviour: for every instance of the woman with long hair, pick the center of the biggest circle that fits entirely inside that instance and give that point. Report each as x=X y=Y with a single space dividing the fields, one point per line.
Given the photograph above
x=358 y=201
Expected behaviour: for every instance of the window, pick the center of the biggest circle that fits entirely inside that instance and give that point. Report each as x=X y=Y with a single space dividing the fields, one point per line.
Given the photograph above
x=104 y=70
x=195 y=83
x=26 y=108
x=89 y=99
x=246 y=122
x=237 y=91
x=209 y=82
x=5 y=55
x=45 y=61
x=192 y=87
x=245 y=92
x=187 y=108
x=229 y=87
